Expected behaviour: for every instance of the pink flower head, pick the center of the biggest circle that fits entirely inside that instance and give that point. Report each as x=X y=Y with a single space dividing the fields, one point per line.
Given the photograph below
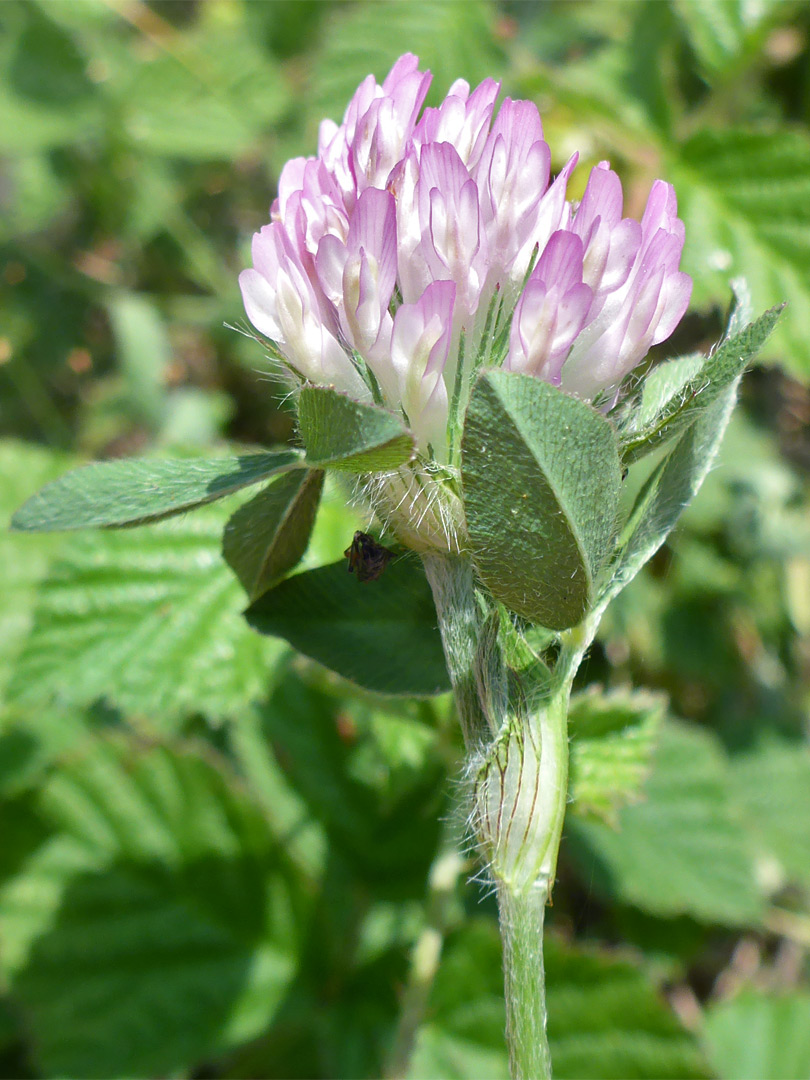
x=415 y=248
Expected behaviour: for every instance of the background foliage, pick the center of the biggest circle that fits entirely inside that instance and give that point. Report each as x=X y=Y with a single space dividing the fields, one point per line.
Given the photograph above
x=219 y=859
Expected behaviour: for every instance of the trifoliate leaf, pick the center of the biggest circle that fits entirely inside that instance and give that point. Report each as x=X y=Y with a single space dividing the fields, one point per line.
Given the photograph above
x=148 y=620
x=341 y=433
x=682 y=850
x=613 y=738
x=152 y=927
x=132 y=491
x=381 y=634
x=268 y=535
x=540 y=475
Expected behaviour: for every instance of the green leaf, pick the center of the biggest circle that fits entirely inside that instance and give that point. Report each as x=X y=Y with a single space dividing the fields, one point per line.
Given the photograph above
x=744 y=197
x=613 y=740
x=341 y=433
x=759 y=1035
x=144 y=352
x=605 y=1018
x=147 y=620
x=268 y=535
x=673 y=484
x=373 y=779
x=772 y=784
x=152 y=928
x=452 y=40
x=212 y=95
x=684 y=849
x=723 y=32
x=540 y=475
x=381 y=634
x=676 y=401
x=133 y=491
x=24 y=560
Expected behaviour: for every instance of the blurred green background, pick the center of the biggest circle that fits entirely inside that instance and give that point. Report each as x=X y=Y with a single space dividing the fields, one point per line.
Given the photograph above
x=216 y=858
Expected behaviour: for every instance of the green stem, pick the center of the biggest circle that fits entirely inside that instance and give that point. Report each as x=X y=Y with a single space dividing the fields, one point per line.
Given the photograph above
x=518 y=762
x=521 y=919
x=461 y=626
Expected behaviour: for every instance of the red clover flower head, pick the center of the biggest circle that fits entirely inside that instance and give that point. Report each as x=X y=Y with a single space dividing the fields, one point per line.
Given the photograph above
x=414 y=250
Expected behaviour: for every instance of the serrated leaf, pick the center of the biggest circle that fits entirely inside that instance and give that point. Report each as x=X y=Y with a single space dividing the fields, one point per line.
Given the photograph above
x=683 y=850
x=381 y=634
x=744 y=197
x=772 y=784
x=133 y=491
x=268 y=535
x=540 y=475
x=683 y=400
x=151 y=929
x=605 y=1018
x=613 y=739
x=341 y=433
x=148 y=620
x=759 y=1035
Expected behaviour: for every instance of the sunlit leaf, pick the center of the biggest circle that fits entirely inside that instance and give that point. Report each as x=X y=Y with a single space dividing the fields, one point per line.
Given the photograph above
x=147 y=620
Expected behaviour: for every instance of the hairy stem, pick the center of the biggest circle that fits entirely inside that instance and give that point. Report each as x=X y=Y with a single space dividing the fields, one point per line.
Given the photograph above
x=461 y=626
x=521 y=919
x=517 y=747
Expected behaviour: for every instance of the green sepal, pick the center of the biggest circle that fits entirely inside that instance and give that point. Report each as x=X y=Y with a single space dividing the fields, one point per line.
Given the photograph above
x=540 y=476
x=134 y=491
x=341 y=433
x=381 y=634
x=267 y=536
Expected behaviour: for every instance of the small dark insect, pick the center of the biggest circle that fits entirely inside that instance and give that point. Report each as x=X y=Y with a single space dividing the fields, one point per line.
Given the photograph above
x=367 y=558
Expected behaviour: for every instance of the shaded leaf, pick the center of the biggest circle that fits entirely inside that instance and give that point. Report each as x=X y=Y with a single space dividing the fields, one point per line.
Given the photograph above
x=132 y=491
x=268 y=535
x=152 y=928
x=381 y=634
x=341 y=433
x=540 y=475
x=371 y=778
